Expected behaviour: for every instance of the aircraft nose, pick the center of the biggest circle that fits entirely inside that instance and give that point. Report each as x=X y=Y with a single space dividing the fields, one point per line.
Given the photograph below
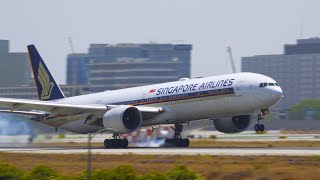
x=277 y=93
x=270 y=95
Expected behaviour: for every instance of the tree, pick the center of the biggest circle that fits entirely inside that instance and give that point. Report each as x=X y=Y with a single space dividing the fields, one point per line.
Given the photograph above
x=300 y=111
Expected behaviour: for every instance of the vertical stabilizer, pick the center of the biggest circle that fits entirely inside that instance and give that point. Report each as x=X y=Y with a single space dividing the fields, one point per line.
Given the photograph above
x=47 y=88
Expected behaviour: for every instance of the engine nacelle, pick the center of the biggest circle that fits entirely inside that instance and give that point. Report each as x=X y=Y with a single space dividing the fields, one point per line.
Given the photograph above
x=122 y=119
x=234 y=124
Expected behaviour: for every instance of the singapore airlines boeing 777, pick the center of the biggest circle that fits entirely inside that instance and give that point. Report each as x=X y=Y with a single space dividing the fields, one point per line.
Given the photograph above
x=229 y=100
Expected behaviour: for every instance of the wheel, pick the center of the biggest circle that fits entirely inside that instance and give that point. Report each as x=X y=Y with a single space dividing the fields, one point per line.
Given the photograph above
x=172 y=142
x=106 y=143
x=257 y=127
x=186 y=142
x=113 y=143
x=118 y=143
x=124 y=143
x=178 y=142
x=169 y=141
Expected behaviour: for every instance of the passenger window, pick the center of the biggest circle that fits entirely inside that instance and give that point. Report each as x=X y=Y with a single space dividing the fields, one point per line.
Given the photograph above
x=271 y=84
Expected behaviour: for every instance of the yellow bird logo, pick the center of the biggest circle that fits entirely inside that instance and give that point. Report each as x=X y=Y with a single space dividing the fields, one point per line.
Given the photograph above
x=44 y=80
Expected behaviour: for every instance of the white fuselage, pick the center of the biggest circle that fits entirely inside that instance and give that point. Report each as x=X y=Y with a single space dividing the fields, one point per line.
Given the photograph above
x=188 y=100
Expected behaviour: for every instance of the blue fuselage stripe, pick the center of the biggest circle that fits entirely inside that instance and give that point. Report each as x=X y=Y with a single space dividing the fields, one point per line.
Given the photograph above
x=175 y=97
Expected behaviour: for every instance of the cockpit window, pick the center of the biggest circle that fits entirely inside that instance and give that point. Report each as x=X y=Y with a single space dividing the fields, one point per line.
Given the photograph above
x=267 y=84
x=263 y=85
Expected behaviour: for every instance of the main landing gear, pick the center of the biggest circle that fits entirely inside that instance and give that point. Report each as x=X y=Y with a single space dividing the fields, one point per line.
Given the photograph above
x=260 y=127
x=177 y=140
x=116 y=142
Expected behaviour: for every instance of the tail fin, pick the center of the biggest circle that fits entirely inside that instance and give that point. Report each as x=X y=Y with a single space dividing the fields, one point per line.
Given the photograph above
x=47 y=88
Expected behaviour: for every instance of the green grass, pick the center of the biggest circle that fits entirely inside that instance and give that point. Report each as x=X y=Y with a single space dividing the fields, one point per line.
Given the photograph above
x=211 y=167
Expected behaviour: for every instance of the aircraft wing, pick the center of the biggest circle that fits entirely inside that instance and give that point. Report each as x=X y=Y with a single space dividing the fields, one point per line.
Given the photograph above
x=30 y=107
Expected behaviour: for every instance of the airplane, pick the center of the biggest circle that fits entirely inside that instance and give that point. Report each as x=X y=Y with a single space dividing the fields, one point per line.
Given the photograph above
x=229 y=100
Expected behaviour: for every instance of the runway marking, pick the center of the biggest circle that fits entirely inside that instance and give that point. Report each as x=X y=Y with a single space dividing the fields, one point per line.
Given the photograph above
x=174 y=151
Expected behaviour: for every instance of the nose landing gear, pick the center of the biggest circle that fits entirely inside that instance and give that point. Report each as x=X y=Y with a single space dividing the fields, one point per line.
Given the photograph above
x=259 y=128
x=177 y=140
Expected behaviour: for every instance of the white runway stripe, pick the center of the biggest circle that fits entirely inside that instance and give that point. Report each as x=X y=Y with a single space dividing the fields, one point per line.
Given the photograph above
x=176 y=151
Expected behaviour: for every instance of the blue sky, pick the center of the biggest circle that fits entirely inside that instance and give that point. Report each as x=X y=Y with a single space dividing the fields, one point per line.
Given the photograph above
x=250 y=27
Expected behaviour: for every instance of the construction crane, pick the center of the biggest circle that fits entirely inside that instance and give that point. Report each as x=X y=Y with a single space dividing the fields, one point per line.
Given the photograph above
x=233 y=66
x=71 y=45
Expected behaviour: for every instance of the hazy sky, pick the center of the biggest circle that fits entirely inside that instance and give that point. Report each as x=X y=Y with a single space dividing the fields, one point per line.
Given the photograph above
x=250 y=27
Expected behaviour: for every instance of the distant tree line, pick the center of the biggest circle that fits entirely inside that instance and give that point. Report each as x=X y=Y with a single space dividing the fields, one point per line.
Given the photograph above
x=305 y=110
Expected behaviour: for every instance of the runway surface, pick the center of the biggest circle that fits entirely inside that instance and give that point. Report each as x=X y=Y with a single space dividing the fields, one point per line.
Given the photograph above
x=171 y=151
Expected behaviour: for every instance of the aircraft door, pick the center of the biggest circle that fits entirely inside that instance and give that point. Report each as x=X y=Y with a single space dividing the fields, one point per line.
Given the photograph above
x=240 y=88
x=243 y=88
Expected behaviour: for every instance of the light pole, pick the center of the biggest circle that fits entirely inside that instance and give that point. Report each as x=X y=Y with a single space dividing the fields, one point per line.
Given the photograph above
x=90 y=136
x=89 y=157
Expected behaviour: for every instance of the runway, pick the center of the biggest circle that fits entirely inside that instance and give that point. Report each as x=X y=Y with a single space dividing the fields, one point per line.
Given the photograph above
x=172 y=151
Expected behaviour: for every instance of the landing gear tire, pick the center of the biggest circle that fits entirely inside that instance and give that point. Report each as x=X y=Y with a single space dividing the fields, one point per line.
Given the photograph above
x=256 y=127
x=177 y=140
x=116 y=143
x=106 y=143
x=186 y=142
x=125 y=143
x=259 y=128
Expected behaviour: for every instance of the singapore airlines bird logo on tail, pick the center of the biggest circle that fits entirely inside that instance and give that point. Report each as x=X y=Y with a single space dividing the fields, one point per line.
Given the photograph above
x=44 y=80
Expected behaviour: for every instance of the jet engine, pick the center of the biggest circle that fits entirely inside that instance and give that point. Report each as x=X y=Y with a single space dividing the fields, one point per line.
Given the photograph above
x=122 y=119
x=233 y=124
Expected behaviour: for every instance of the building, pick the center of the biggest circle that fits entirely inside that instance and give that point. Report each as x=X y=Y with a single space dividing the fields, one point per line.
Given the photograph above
x=132 y=73
x=303 y=46
x=297 y=71
x=108 y=67
x=78 y=71
x=15 y=67
x=30 y=92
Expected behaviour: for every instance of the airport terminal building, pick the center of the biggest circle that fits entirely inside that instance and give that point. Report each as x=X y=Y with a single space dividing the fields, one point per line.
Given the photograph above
x=297 y=71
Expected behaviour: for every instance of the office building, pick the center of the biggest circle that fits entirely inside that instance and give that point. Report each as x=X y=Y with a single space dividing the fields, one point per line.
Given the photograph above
x=78 y=70
x=15 y=66
x=132 y=73
x=303 y=46
x=297 y=71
